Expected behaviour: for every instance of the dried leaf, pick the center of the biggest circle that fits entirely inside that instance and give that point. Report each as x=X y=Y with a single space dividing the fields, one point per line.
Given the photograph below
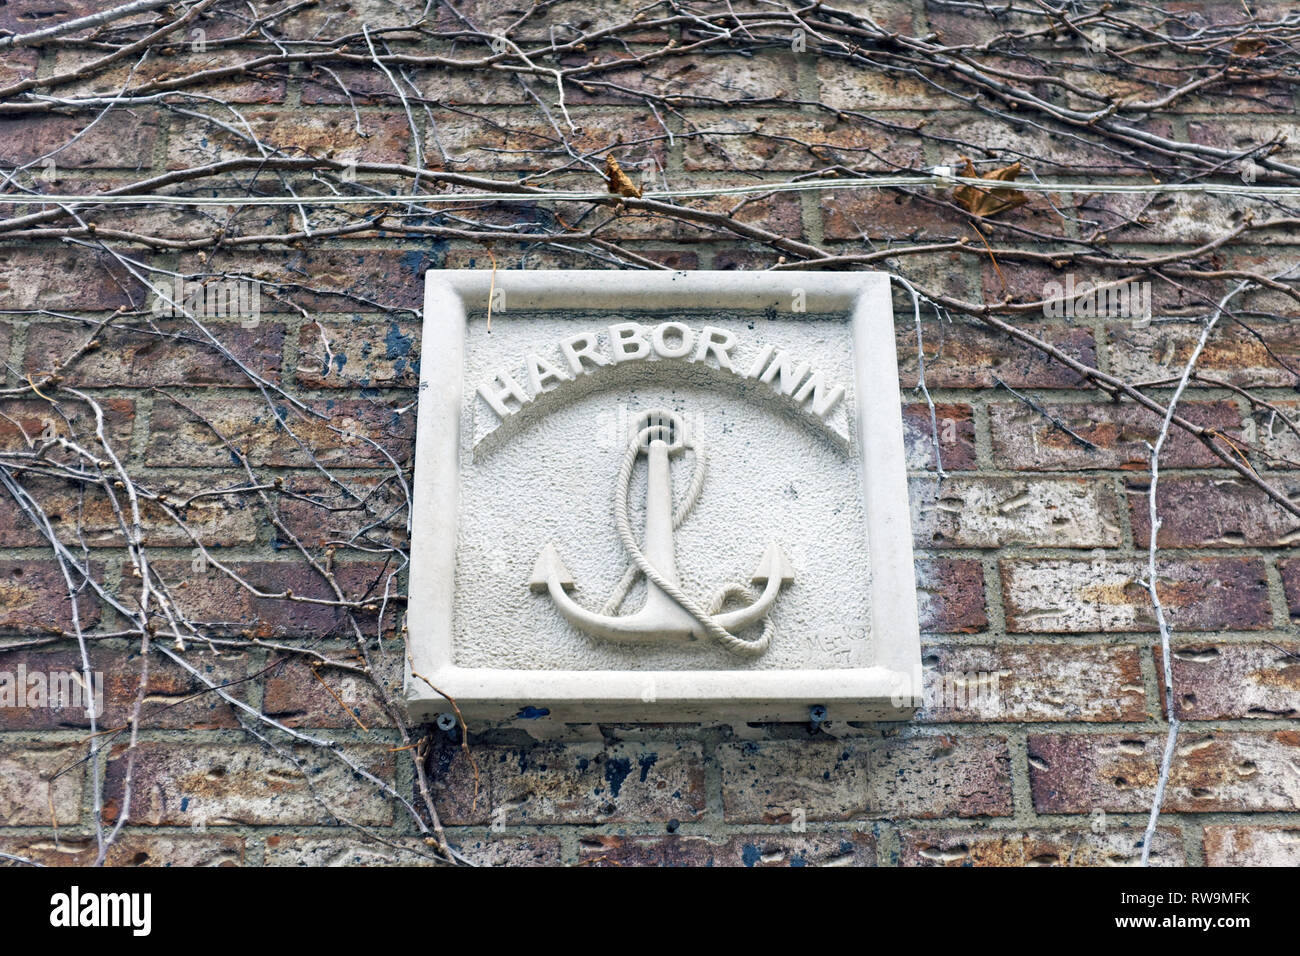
x=618 y=181
x=989 y=202
x=1249 y=47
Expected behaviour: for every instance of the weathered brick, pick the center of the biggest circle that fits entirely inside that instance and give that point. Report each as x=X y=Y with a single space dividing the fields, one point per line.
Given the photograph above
x=130 y=849
x=1281 y=445
x=122 y=138
x=347 y=850
x=790 y=141
x=218 y=785
x=343 y=436
x=1242 y=133
x=569 y=783
x=1220 y=681
x=180 y=357
x=297 y=695
x=923 y=777
x=851 y=848
x=721 y=79
x=965 y=355
x=40 y=783
x=384 y=137
x=1198 y=594
x=65 y=277
x=317 y=512
x=1160 y=351
x=528 y=142
x=18 y=65
x=849 y=86
x=329 y=280
x=1290 y=570
x=950 y=596
x=361 y=353
x=210 y=596
x=967 y=511
x=1121 y=436
x=1200 y=511
x=1032 y=682
x=23 y=421
x=175 y=63
x=1114 y=846
x=956 y=436
x=1252 y=846
x=34 y=598
x=992 y=142
x=888 y=214
x=173 y=698
x=1211 y=772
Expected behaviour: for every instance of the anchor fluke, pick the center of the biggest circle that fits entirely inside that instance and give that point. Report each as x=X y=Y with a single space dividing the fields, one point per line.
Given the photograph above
x=549 y=568
x=774 y=563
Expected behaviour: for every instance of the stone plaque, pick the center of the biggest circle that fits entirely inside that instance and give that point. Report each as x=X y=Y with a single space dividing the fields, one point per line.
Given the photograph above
x=660 y=496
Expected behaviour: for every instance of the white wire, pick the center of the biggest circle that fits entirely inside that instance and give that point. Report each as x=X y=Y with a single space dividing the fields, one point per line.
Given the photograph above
x=1249 y=190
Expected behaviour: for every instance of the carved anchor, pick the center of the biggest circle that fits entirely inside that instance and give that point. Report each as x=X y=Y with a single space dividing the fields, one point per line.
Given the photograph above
x=668 y=613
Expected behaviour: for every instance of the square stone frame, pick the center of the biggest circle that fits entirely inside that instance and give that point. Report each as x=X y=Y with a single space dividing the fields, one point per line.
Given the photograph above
x=888 y=690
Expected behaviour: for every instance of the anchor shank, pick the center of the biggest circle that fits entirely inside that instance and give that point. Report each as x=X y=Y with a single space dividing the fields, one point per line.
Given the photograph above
x=658 y=545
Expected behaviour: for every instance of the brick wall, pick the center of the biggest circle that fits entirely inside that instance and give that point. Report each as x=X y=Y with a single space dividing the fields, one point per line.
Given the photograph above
x=1030 y=553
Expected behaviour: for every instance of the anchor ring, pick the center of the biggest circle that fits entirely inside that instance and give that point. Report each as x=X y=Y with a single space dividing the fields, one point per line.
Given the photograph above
x=657 y=424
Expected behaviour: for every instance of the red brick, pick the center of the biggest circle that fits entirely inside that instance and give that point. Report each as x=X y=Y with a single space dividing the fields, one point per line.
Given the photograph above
x=774 y=140
x=176 y=63
x=318 y=513
x=298 y=696
x=1199 y=512
x=970 y=511
x=130 y=849
x=1032 y=683
x=1161 y=350
x=950 y=596
x=1121 y=436
x=173 y=698
x=64 y=278
x=1290 y=570
x=18 y=65
x=1222 y=681
x=233 y=785
x=344 y=436
x=328 y=280
x=851 y=848
x=347 y=850
x=569 y=783
x=956 y=436
x=1198 y=594
x=121 y=138
x=359 y=353
x=845 y=85
x=40 y=783
x=1252 y=846
x=386 y=138
x=527 y=142
x=220 y=603
x=966 y=355
x=181 y=357
x=922 y=777
x=1113 y=846
x=34 y=598
x=1211 y=772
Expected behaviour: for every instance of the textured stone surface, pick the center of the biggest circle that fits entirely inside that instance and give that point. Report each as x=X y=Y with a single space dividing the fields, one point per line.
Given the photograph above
x=40 y=783
x=988 y=512
x=345 y=851
x=1211 y=772
x=1032 y=682
x=1252 y=846
x=574 y=783
x=757 y=849
x=210 y=785
x=1215 y=681
x=131 y=849
x=922 y=777
x=1198 y=594
x=1113 y=846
